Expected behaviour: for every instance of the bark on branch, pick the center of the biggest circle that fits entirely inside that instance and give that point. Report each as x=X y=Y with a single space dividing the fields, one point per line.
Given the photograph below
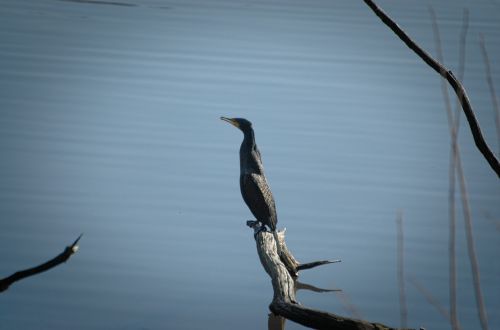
x=284 y=281
x=452 y=80
x=59 y=259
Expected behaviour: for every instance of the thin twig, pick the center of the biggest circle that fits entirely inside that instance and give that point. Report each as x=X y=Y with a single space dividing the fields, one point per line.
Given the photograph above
x=457 y=86
x=466 y=208
x=429 y=297
x=59 y=259
x=471 y=250
x=439 y=50
x=453 y=122
x=347 y=304
x=452 y=176
x=489 y=79
x=403 y=309
x=461 y=65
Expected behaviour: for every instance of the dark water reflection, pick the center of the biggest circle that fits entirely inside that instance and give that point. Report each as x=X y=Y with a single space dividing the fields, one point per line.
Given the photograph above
x=109 y=126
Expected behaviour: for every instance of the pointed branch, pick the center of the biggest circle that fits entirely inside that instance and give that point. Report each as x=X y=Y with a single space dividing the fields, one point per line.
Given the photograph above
x=313 y=264
x=59 y=259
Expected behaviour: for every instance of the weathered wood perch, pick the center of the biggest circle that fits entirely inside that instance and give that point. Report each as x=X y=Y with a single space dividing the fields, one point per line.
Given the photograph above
x=284 y=272
x=59 y=259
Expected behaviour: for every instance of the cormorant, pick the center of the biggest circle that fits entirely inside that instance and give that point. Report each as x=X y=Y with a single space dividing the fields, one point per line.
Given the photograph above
x=253 y=184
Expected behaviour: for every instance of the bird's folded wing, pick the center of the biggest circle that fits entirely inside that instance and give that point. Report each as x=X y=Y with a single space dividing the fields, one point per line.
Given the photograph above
x=258 y=196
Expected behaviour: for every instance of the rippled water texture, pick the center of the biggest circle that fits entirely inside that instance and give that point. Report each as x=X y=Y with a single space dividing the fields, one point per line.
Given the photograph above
x=109 y=125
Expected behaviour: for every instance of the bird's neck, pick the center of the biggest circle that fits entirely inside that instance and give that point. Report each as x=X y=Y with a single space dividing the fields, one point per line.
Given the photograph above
x=248 y=140
x=249 y=155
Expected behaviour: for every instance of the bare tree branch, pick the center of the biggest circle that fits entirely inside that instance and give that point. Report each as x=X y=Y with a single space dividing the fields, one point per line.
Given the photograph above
x=450 y=77
x=59 y=259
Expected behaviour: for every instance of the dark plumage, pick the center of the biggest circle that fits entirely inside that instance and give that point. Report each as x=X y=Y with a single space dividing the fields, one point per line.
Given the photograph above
x=253 y=184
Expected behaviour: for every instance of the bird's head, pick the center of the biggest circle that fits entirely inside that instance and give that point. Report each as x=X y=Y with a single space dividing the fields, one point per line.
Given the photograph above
x=241 y=123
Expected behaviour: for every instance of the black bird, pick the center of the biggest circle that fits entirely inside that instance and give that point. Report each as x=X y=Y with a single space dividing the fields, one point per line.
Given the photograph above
x=253 y=184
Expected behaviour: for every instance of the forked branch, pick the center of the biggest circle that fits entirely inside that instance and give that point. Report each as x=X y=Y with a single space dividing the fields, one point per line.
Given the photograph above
x=284 y=286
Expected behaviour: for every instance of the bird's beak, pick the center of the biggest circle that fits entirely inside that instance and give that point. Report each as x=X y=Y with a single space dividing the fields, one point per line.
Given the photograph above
x=231 y=121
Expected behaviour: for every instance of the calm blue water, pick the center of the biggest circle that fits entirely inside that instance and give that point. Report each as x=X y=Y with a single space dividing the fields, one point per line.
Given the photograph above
x=109 y=125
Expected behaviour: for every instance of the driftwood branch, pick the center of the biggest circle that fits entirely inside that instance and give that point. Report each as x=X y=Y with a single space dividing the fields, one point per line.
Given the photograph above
x=284 y=283
x=59 y=259
x=452 y=80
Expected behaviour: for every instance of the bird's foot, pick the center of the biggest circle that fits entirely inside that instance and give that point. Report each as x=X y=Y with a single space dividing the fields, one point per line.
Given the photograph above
x=257 y=227
x=262 y=229
x=253 y=223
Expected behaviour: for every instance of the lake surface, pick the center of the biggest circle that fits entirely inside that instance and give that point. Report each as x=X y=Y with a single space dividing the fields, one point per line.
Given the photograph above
x=109 y=125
